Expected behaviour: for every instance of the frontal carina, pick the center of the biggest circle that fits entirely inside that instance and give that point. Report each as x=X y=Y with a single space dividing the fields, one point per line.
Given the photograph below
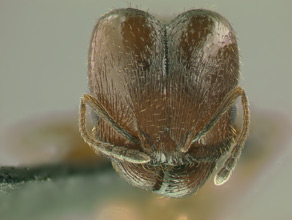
x=162 y=97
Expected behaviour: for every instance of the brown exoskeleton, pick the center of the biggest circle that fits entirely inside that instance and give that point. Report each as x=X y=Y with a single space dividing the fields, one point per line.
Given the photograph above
x=163 y=98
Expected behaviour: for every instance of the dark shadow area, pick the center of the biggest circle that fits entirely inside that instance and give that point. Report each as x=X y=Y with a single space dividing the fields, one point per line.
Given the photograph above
x=14 y=175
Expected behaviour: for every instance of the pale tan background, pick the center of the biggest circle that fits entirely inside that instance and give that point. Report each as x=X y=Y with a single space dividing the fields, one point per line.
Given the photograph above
x=43 y=61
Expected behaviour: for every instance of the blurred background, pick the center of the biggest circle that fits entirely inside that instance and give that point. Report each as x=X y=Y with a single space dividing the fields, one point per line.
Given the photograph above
x=43 y=65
